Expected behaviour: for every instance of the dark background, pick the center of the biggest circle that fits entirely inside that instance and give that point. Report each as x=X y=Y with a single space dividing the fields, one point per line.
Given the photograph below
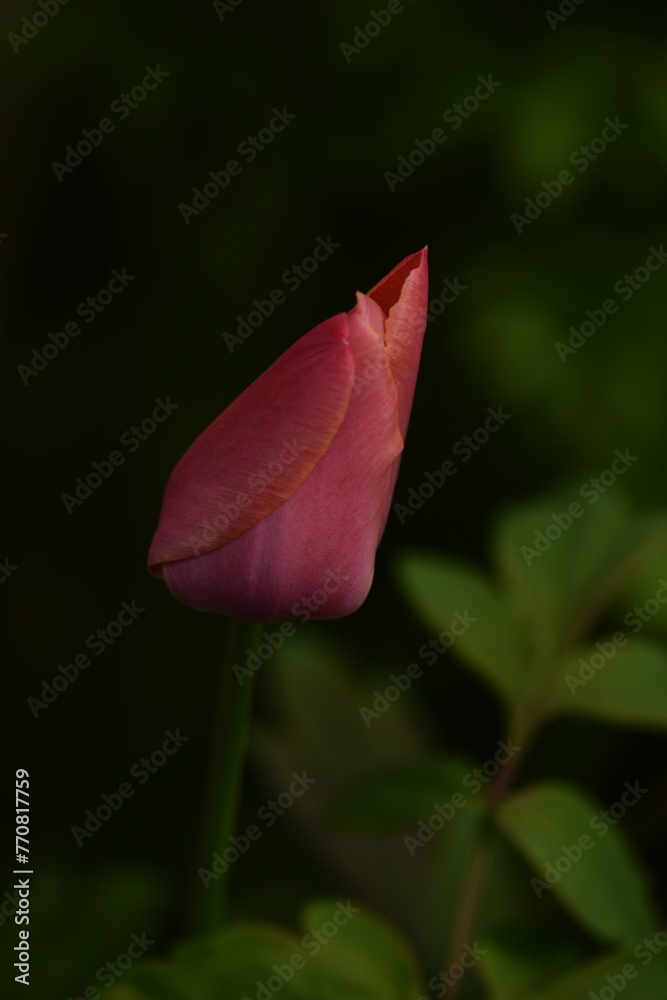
x=163 y=336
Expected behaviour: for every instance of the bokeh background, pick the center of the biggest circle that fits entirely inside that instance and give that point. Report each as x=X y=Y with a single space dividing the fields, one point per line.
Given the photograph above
x=324 y=176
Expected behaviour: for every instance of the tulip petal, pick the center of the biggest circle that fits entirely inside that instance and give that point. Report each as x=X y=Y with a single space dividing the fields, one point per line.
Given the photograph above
x=333 y=521
x=403 y=296
x=258 y=452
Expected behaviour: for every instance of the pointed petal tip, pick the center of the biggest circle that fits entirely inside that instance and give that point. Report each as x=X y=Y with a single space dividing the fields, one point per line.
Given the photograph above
x=387 y=292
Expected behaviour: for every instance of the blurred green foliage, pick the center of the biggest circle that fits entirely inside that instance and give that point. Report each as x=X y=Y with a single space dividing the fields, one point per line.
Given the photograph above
x=539 y=889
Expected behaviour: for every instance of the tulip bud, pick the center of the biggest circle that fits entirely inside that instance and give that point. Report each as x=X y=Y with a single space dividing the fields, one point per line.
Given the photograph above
x=280 y=504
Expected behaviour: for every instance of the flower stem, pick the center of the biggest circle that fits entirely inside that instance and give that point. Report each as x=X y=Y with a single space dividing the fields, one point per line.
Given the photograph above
x=472 y=884
x=229 y=742
x=470 y=895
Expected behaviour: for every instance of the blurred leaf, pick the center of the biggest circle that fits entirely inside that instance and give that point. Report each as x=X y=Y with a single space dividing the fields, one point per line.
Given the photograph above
x=610 y=976
x=565 y=556
x=624 y=684
x=637 y=600
x=233 y=961
x=642 y=539
x=315 y=692
x=162 y=980
x=345 y=954
x=401 y=793
x=366 y=959
x=587 y=862
x=534 y=548
x=438 y=588
x=523 y=956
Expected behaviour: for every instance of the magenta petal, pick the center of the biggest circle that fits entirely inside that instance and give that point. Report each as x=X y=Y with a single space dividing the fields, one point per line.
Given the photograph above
x=258 y=451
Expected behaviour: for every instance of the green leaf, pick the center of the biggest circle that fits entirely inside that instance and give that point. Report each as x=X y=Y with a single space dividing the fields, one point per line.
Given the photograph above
x=316 y=694
x=625 y=684
x=642 y=599
x=553 y=559
x=364 y=959
x=159 y=981
x=401 y=793
x=233 y=961
x=643 y=539
x=635 y=974
x=585 y=861
x=438 y=589
x=565 y=556
x=525 y=956
x=345 y=953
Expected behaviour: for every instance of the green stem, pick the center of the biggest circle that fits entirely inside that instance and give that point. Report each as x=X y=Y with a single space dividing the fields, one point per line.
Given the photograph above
x=229 y=743
x=470 y=896
x=471 y=889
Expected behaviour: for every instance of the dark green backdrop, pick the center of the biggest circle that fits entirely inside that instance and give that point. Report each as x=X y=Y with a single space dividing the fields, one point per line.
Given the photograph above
x=223 y=74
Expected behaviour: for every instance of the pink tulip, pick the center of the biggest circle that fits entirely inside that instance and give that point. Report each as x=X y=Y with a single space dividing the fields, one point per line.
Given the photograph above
x=278 y=507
